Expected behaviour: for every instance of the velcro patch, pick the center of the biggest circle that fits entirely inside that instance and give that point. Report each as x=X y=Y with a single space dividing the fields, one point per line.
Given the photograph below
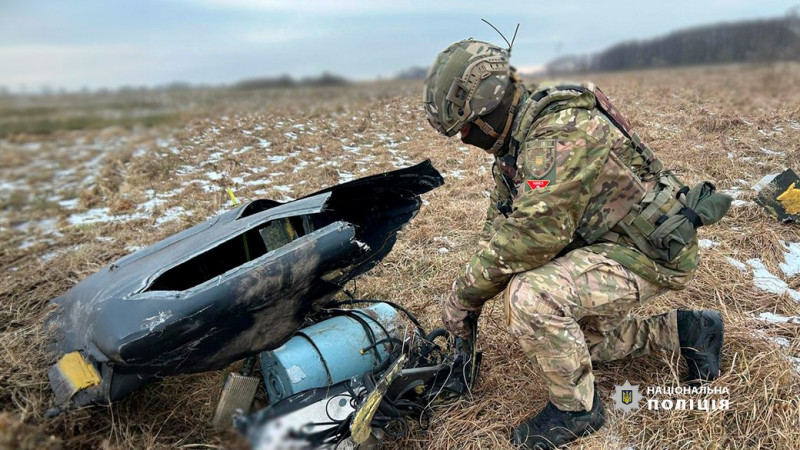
x=540 y=157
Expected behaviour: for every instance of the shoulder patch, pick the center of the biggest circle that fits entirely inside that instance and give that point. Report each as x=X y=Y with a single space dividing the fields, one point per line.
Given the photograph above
x=539 y=158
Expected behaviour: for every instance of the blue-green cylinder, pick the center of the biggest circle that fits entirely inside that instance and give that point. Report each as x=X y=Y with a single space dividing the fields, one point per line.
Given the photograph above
x=328 y=352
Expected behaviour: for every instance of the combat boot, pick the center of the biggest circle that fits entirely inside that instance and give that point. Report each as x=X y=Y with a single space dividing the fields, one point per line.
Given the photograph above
x=553 y=427
x=700 y=334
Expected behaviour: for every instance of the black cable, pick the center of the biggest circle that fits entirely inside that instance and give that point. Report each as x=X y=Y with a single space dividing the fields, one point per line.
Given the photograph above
x=392 y=304
x=392 y=340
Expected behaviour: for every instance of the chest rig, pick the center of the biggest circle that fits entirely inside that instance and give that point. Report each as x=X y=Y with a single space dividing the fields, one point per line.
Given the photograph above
x=644 y=196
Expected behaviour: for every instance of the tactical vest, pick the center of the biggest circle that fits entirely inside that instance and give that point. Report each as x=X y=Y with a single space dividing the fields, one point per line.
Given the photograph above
x=650 y=207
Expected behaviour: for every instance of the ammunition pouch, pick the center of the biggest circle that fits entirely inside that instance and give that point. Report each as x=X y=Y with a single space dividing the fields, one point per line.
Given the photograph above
x=666 y=220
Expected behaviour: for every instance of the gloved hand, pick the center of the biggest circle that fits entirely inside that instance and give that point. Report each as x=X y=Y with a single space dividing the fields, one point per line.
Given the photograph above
x=454 y=315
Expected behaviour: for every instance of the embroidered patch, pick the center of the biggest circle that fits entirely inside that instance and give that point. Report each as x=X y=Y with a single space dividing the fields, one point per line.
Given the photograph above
x=535 y=184
x=540 y=157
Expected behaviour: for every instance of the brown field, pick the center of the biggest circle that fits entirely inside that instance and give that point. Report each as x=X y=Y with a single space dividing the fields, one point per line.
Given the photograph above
x=72 y=201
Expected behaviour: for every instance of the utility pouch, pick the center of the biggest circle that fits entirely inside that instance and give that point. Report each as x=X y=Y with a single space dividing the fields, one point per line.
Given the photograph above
x=662 y=227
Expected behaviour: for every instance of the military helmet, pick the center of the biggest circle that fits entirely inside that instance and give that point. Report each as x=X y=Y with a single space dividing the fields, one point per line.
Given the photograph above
x=468 y=79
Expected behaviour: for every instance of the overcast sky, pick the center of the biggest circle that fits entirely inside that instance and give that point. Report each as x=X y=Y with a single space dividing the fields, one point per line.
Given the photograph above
x=108 y=43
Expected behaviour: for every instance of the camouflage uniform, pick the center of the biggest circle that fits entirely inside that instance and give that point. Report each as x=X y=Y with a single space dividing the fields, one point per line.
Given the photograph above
x=567 y=301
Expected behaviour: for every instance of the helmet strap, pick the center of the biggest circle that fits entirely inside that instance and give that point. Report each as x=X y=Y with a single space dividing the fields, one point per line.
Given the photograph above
x=489 y=130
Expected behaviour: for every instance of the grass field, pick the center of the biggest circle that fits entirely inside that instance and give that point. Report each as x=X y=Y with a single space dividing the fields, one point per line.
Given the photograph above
x=73 y=200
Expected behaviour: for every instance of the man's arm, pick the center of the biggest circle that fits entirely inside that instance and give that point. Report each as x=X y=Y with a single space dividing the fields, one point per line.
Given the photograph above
x=499 y=193
x=544 y=219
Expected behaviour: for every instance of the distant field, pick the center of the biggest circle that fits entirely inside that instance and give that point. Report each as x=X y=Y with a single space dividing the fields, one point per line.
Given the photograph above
x=85 y=180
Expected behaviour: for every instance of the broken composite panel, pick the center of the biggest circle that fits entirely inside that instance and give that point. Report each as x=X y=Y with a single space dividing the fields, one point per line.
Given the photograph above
x=226 y=289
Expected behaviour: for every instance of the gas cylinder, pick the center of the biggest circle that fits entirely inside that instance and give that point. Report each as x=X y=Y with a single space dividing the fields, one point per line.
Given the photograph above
x=329 y=352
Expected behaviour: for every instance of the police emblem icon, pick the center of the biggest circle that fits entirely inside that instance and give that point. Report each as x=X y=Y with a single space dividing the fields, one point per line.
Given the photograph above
x=626 y=397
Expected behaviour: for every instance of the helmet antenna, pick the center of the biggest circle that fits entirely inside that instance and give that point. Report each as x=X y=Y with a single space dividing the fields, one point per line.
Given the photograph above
x=510 y=44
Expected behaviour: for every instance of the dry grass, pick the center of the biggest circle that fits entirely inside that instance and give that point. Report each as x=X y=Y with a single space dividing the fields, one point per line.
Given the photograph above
x=711 y=123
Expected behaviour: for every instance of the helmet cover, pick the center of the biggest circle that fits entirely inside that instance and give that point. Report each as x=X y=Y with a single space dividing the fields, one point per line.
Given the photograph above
x=468 y=79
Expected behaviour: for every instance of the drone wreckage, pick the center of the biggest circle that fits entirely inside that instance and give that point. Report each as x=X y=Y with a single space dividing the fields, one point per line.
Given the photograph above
x=258 y=282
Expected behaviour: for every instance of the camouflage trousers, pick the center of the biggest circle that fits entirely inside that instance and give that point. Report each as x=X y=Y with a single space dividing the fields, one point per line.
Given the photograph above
x=576 y=310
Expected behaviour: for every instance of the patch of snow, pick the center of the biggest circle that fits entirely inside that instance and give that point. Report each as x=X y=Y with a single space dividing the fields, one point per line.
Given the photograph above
x=99 y=215
x=277 y=158
x=443 y=250
x=242 y=150
x=782 y=341
x=291 y=135
x=795 y=362
x=344 y=177
x=257 y=182
x=777 y=318
x=443 y=240
x=69 y=204
x=791 y=267
x=733 y=192
x=151 y=204
x=174 y=213
x=214 y=157
x=215 y=176
x=739 y=203
x=769 y=152
x=49 y=256
x=766 y=281
x=736 y=263
x=354 y=149
x=299 y=166
x=26 y=244
x=707 y=243
x=264 y=143
x=207 y=187
x=185 y=170
x=458 y=174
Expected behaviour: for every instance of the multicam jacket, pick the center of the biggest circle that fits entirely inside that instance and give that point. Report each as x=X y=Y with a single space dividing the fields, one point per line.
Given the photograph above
x=569 y=175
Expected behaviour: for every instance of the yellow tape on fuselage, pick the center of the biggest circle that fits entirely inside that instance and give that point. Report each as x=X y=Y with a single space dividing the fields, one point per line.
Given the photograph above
x=79 y=373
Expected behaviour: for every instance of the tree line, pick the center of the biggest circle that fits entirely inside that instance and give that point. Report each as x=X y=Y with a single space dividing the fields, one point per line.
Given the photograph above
x=750 y=41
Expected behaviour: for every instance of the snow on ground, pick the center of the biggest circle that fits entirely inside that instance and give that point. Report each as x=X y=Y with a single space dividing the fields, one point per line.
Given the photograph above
x=791 y=267
x=765 y=280
x=707 y=244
